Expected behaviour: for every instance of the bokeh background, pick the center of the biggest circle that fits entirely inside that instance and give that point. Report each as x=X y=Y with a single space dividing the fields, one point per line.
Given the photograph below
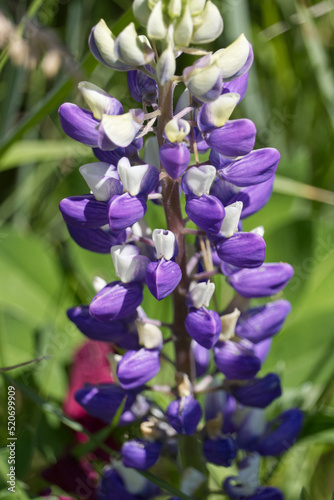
x=43 y=55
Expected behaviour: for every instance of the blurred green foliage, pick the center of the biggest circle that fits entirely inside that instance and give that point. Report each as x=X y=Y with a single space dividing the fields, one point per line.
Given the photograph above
x=291 y=101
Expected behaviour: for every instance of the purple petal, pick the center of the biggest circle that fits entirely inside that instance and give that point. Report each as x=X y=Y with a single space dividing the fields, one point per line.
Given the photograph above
x=201 y=357
x=116 y=301
x=204 y=326
x=125 y=210
x=262 y=349
x=184 y=415
x=79 y=124
x=259 y=392
x=235 y=361
x=242 y=250
x=254 y=197
x=281 y=433
x=256 y=167
x=207 y=212
x=95 y=240
x=162 y=277
x=137 y=367
x=264 y=321
x=84 y=211
x=235 y=138
x=103 y=401
x=262 y=281
x=140 y=454
x=142 y=87
x=221 y=450
x=174 y=158
x=239 y=85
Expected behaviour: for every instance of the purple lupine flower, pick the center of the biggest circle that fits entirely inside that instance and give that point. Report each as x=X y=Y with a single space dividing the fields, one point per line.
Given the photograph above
x=140 y=454
x=262 y=281
x=280 y=433
x=262 y=322
x=121 y=483
x=236 y=360
x=258 y=392
x=142 y=87
x=84 y=211
x=175 y=158
x=235 y=138
x=254 y=168
x=207 y=212
x=103 y=401
x=138 y=367
x=221 y=450
x=204 y=326
x=184 y=415
x=242 y=250
x=125 y=210
x=116 y=301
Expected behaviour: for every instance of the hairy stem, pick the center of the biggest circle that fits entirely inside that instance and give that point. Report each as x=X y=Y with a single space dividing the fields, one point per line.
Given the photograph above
x=172 y=207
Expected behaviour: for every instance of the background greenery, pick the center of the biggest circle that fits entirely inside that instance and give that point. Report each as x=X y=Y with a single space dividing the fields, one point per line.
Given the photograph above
x=42 y=273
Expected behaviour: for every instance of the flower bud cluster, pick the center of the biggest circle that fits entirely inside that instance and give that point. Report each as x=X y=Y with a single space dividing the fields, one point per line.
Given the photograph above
x=233 y=182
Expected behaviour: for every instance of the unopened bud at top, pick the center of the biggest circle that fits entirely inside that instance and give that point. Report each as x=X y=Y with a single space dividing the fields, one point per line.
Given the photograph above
x=132 y=49
x=208 y=26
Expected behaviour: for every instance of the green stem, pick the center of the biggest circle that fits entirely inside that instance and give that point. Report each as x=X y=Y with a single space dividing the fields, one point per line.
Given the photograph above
x=172 y=207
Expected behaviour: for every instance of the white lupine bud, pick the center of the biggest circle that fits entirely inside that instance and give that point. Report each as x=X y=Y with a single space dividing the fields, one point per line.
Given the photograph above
x=134 y=482
x=210 y=26
x=141 y=11
x=220 y=110
x=156 y=28
x=201 y=80
x=97 y=99
x=129 y=264
x=101 y=179
x=98 y=283
x=231 y=219
x=122 y=129
x=191 y=480
x=150 y=336
x=176 y=130
x=200 y=179
x=130 y=49
x=174 y=8
x=166 y=65
x=164 y=242
x=229 y=322
x=258 y=230
x=233 y=58
x=105 y=42
x=131 y=177
x=196 y=6
x=201 y=294
x=184 y=29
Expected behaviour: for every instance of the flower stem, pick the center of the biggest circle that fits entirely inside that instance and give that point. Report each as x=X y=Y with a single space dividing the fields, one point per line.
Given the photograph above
x=174 y=219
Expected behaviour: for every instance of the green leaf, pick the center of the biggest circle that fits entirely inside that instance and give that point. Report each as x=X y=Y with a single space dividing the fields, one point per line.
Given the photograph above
x=304 y=495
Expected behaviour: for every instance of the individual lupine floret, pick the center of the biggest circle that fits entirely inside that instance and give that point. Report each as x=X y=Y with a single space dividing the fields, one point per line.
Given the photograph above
x=256 y=167
x=84 y=211
x=102 y=179
x=138 y=181
x=123 y=53
x=202 y=324
x=98 y=240
x=163 y=275
x=264 y=321
x=116 y=301
x=244 y=250
x=106 y=126
x=263 y=281
x=129 y=264
x=205 y=77
x=218 y=448
x=236 y=360
x=258 y=392
x=205 y=210
x=142 y=87
x=140 y=454
x=138 y=367
x=174 y=155
x=185 y=413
